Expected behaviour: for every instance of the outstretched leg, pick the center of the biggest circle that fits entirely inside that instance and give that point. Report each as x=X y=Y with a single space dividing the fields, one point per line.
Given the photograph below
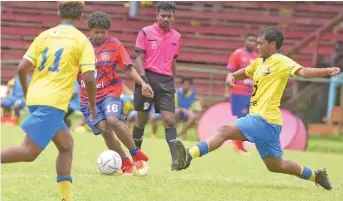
x=266 y=136
x=171 y=135
x=27 y=152
x=226 y=132
x=279 y=165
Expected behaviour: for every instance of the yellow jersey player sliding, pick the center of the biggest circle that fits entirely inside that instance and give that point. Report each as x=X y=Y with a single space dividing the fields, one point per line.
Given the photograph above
x=263 y=125
x=56 y=55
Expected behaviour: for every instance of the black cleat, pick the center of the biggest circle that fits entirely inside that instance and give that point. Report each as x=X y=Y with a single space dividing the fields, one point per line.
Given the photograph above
x=175 y=165
x=322 y=179
x=184 y=157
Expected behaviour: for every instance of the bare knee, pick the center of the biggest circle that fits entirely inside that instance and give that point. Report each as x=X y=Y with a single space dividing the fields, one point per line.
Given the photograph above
x=226 y=131
x=31 y=157
x=169 y=122
x=192 y=117
x=67 y=146
x=231 y=132
x=106 y=133
x=31 y=154
x=30 y=150
x=274 y=166
x=114 y=122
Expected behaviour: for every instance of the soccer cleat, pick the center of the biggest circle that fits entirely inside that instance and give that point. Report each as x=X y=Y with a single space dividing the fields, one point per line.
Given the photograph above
x=184 y=157
x=140 y=156
x=242 y=151
x=322 y=179
x=142 y=168
x=128 y=170
x=175 y=165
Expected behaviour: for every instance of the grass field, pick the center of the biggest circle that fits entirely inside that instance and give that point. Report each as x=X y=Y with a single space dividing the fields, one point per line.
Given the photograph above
x=222 y=175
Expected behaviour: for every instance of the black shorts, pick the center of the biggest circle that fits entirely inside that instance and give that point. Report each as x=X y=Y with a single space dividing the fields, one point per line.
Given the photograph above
x=164 y=94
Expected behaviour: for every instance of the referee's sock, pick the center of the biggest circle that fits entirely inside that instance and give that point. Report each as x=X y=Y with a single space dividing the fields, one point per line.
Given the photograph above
x=138 y=136
x=171 y=137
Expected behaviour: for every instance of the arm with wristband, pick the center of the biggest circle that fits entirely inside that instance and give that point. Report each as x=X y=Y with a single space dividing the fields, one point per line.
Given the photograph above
x=141 y=80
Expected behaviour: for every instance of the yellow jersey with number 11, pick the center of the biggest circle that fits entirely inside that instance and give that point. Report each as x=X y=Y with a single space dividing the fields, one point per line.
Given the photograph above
x=57 y=54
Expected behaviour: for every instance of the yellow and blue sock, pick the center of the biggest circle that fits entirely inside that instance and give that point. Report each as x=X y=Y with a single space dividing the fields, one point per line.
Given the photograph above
x=65 y=187
x=134 y=151
x=307 y=174
x=199 y=150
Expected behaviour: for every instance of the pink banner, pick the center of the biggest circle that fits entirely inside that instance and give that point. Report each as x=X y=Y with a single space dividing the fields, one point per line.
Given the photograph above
x=293 y=135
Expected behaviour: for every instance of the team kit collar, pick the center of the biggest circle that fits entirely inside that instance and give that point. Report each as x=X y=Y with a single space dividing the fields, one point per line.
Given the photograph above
x=160 y=31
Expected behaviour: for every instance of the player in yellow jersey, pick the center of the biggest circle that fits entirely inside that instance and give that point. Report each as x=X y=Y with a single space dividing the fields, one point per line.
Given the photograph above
x=56 y=55
x=263 y=125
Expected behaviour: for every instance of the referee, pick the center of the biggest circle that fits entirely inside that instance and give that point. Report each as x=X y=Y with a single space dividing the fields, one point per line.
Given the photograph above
x=157 y=47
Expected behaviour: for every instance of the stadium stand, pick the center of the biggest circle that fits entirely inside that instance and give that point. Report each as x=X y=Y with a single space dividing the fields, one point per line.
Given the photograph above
x=211 y=31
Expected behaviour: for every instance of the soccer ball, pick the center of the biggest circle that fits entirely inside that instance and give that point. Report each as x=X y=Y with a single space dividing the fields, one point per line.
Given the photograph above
x=109 y=162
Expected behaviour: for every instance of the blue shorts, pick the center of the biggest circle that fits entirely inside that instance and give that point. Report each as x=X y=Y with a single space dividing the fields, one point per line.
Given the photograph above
x=183 y=117
x=10 y=101
x=266 y=136
x=240 y=105
x=43 y=123
x=133 y=114
x=109 y=106
x=152 y=111
x=158 y=116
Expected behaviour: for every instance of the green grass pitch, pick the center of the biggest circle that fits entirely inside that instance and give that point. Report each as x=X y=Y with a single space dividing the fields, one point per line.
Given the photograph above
x=222 y=175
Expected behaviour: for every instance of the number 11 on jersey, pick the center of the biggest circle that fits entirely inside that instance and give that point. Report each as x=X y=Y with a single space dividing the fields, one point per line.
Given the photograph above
x=57 y=59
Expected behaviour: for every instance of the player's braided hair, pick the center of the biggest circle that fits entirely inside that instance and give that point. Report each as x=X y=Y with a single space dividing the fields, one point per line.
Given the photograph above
x=273 y=34
x=166 y=5
x=71 y=9
x=99 y=20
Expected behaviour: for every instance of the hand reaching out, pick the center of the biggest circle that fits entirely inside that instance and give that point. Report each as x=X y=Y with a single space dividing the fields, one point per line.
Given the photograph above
x=334 y=71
